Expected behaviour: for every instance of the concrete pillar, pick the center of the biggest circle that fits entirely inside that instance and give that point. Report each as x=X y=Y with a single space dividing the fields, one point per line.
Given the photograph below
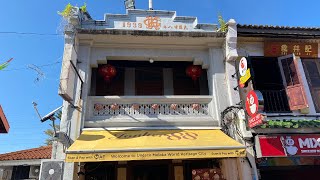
x=217 y=82
x=231 y=41
x=247 y=166
x=229 y=169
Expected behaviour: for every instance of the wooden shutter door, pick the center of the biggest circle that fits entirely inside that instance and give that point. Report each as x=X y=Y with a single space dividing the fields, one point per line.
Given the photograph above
x=293 y=82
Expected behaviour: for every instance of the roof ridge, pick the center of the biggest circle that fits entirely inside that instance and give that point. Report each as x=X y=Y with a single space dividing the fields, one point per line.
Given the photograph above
x=42 y=152
x=277 y=26
x=27 y=150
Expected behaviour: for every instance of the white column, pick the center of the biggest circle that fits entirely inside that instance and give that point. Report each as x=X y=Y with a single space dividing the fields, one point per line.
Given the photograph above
x=231 y=41
x=229 y=168
x=247 y=167
x=232 y=82
x=217 y=82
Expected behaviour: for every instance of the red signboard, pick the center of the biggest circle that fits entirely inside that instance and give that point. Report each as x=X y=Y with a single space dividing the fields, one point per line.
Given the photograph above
x=252 y=103
x=288 y=145
x=255 y=120
x=252 y=107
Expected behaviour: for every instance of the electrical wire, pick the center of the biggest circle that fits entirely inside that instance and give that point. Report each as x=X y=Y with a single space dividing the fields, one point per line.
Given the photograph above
x=27 y=68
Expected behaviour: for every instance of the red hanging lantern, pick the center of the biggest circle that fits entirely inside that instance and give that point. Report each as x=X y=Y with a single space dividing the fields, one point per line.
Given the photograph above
x=194 y=71
x=107 y=72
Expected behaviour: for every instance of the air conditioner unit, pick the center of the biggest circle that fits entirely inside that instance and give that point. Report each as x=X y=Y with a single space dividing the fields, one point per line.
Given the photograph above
x=51 y=170
x=34 y=172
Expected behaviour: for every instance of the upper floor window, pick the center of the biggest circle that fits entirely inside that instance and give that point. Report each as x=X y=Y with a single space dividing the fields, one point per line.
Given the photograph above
x=142 y=78
x=312 y=70
x=280 y=83
x=267 y=79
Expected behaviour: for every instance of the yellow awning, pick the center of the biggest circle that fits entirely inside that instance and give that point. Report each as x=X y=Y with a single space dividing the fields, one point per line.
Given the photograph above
x=152 y=144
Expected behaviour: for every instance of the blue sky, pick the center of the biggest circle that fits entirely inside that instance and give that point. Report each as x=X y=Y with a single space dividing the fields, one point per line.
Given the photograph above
x=18 y=82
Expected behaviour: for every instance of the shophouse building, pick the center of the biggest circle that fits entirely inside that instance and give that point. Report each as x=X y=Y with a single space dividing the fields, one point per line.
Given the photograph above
x=143 y=97
x=23 y=164
x=285 y=68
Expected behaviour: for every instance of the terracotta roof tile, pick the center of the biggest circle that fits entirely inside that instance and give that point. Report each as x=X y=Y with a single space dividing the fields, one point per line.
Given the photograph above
x=278 y=31
x=43 y=152
x=252 y=26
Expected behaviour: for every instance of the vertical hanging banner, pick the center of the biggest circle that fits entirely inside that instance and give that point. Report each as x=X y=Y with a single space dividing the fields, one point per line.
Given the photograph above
x=254 y=105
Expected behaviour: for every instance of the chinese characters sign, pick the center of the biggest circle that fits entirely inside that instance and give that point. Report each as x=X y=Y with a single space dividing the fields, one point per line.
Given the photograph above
x=153 y=23
x=289 y=145
x=275 y=49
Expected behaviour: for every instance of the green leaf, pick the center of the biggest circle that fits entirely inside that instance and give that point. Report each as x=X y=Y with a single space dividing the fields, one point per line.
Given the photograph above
x=263 y=126
x=296 y=126
x=84 y=7
x=67 y=11
x=271 y=123
x=222 y=23
x=2 y=66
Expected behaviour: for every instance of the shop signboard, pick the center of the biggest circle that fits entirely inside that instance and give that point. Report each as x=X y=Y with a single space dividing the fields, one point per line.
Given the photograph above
x=276 y=49
x=244 y=72
x=288 y=145
x=254 y=105
x=154 y=23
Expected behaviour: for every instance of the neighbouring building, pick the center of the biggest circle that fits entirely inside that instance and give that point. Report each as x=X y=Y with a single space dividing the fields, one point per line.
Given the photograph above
x=284 y=64
x=149 y=95
x=23 y=164
x=4 y=125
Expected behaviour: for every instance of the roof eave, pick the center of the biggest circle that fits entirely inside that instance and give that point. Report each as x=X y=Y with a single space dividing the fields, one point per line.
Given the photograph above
x=277 y=32
x=151 y=33
x=4 y=125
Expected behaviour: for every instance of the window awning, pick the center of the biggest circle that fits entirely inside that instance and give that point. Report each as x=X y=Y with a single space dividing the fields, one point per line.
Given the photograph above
x=93 y=145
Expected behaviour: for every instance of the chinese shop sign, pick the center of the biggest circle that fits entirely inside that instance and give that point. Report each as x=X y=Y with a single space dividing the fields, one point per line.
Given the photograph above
x=288 y=145
x=275 y=49
x=153 y=23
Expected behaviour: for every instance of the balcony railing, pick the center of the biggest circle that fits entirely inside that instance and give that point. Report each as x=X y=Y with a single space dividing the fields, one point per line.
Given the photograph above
x=148 y=109
x=275 y=101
